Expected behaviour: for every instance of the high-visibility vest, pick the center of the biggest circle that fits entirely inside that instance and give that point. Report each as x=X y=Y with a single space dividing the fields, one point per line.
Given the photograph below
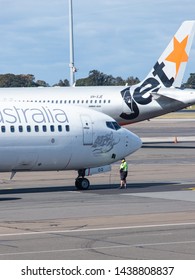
x=124 y=166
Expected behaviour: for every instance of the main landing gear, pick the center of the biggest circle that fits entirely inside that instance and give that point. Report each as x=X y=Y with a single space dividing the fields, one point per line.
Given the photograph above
x=81 y=183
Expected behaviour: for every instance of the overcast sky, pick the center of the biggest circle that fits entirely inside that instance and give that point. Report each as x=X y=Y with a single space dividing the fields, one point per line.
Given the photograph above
x=118 y=37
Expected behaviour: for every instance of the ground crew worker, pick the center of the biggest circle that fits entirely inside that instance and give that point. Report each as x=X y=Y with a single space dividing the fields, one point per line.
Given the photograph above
x=123 y=173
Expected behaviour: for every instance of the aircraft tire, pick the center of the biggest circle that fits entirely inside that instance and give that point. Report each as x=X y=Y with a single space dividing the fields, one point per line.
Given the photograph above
x=82 y=183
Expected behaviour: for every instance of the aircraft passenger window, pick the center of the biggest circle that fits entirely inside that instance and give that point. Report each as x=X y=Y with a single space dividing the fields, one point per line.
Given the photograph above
x=104 y=101
x=52 y=128
x=108 y=101
x=67 y=128
x=69 y=101
x=91 y=101
x=95 y=101
x=82 y=101
x=86 y=101
x=28 y=128
x=77 y=101
x=3 y=129
x=36 y=128
x=20 y=128
x=12 y=128
x=44 y=128
x=100 y=101
x=60 y=101
x=56 y=101
x=59 y=128
x=73 y=101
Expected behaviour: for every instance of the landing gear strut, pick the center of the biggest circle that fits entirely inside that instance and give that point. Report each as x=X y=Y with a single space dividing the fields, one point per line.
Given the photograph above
x=81 y=183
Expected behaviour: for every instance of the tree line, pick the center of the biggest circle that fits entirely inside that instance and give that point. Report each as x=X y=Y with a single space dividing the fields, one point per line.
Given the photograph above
x=95 y=78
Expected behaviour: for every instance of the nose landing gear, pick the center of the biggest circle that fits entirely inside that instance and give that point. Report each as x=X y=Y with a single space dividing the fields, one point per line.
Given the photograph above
x=82 y=183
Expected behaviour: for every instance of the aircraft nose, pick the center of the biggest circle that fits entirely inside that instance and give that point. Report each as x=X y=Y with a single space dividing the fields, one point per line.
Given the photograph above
x=136 y=142
x=133 y=142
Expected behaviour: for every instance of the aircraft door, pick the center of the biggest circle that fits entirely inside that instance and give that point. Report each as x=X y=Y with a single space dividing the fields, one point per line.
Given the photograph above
x=87 y=130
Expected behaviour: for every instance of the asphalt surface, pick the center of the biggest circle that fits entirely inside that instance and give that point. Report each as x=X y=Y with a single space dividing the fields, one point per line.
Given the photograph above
x=43 y=216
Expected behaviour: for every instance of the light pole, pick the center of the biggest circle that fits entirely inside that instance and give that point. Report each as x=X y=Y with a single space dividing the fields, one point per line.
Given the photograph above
x=71 y=65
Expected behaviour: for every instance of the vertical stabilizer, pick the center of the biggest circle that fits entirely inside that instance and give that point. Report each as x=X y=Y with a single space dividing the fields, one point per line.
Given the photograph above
x=167 y=72
x=170 y=67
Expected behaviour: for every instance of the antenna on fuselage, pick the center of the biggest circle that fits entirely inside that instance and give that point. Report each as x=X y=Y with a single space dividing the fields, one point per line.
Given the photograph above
x=71 y=65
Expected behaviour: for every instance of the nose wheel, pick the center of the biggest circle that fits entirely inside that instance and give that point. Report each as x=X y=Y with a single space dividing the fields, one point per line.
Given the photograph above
x=82 y=183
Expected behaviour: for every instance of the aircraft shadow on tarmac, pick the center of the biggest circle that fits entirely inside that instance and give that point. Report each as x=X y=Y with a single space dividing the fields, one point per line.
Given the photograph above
x=9 y=198
x=135 y=187
x=173 y=146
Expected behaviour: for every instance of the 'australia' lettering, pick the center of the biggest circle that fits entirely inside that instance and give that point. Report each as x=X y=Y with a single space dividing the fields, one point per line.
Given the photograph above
x=36 y=115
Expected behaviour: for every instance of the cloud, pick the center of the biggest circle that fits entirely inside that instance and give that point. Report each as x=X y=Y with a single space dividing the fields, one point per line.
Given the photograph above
x=118 y=37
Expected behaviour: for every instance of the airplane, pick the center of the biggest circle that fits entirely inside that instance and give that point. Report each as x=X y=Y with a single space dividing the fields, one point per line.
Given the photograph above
x=159 y=93
x=45 y=137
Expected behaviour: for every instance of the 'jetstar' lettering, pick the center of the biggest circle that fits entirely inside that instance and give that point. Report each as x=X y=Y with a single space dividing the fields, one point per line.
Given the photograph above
x=140 y=94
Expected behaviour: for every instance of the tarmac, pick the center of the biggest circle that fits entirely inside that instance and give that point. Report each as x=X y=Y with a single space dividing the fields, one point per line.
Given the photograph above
x=43 y=216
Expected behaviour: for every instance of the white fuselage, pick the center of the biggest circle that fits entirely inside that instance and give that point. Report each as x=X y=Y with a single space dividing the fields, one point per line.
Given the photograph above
x=123 y=104
x=58 y=137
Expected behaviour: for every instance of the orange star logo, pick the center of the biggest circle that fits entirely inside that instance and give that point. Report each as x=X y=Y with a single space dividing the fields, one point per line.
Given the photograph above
x=178 y=55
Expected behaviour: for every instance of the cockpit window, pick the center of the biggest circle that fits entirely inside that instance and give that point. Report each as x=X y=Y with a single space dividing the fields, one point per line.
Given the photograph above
x=113 y=125
x=109 y=125
x=116 y=125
